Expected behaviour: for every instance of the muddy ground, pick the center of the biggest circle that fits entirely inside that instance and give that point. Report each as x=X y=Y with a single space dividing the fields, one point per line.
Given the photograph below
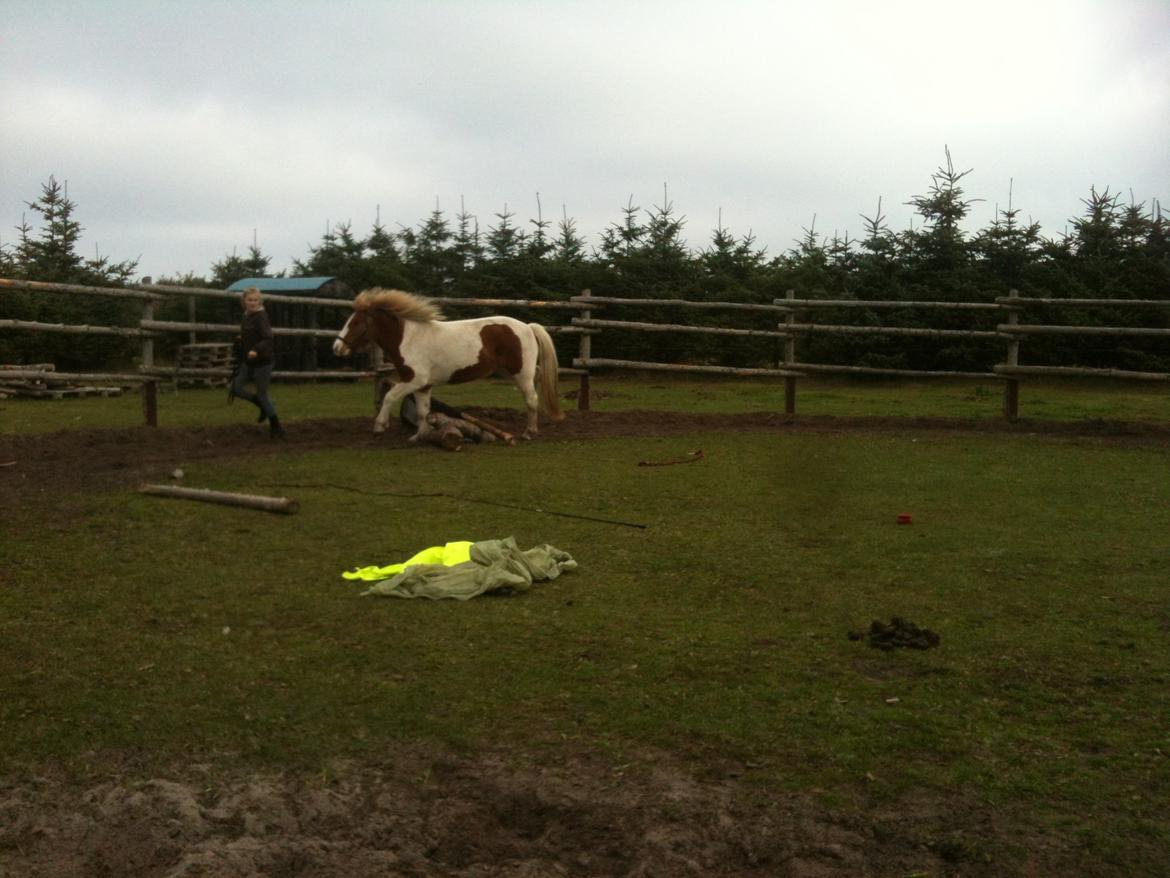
x=493 y=813
x=111 y=457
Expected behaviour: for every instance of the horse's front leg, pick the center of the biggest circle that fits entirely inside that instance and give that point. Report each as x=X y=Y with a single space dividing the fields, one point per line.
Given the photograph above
x=393 y=395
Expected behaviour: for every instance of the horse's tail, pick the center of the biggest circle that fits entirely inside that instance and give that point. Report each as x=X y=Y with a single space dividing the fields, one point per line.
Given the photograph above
x=548 y=372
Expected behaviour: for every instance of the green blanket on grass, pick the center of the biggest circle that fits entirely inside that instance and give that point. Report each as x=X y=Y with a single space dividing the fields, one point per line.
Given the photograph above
x=495 y=565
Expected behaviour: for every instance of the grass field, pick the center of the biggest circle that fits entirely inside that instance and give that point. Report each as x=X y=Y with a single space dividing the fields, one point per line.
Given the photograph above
x=133 y=624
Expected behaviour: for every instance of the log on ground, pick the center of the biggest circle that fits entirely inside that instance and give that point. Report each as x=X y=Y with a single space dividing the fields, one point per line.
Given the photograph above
x=224 y=498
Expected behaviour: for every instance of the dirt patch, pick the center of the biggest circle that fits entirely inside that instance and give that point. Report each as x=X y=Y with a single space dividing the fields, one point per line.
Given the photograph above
x=110 y=458
x=445 y=815
x=898 y=633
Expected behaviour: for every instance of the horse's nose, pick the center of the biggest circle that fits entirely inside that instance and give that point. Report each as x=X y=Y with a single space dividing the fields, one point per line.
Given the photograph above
x=339 y=349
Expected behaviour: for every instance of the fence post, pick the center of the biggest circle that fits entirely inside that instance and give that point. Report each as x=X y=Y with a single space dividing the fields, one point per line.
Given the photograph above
x=191 y=318
x=148 y=341
x=150 y=402
x=1011 y=387
x=790 y=359
x=584 y=350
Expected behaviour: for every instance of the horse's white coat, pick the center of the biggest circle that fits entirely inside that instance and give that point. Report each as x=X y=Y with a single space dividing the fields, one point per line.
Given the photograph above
x=435 y=351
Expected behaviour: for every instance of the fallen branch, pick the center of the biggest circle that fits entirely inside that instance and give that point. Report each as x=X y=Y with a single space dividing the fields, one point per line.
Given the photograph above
x=249 y=501
x=490 y=428
x=449 y=432
x=690 y=458
x=459 y=498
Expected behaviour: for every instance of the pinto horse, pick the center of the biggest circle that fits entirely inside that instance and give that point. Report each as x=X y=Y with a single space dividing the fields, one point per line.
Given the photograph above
x=427 y=351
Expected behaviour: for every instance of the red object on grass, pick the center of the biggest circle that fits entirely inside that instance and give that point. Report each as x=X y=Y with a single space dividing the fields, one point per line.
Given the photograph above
x=904 y=518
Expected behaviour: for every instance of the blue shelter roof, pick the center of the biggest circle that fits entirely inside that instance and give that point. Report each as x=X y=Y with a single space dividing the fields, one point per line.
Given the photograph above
x=286 y=285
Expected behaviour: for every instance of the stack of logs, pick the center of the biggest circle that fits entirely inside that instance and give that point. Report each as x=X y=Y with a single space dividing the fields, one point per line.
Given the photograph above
x=46 y=387
x=208 y=355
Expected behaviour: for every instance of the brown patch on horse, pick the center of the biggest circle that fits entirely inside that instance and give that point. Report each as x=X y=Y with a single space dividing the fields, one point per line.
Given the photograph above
x=388 y=334
x=500 y=352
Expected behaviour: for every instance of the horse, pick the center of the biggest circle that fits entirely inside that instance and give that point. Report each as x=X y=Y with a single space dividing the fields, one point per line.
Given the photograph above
x=426 y=350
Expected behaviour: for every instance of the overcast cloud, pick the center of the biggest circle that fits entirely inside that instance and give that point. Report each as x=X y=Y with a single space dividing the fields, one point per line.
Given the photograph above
x=183 y=129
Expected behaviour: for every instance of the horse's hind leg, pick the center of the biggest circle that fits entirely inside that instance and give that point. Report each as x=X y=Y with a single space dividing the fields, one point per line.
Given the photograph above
x=527 y=387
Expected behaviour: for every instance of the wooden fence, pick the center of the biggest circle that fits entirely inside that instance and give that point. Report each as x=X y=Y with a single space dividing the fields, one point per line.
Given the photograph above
x=790 y=312
x=149 y=329
x=1011 y=331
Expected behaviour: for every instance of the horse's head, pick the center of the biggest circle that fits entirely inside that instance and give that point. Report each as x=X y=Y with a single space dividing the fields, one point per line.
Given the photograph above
x=378 y=317
x=356 y=335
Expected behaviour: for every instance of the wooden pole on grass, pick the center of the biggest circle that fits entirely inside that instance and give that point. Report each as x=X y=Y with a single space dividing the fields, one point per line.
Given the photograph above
x=249 y=501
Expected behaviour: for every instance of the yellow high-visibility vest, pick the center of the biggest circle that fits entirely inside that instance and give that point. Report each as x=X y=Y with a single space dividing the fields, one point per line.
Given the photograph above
x=448 y=555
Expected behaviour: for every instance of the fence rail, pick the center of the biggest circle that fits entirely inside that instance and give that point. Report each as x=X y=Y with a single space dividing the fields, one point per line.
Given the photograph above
x=590 y=323
x=1025 y=329
x=585 y=326
x=790 y=304
x=123 y=331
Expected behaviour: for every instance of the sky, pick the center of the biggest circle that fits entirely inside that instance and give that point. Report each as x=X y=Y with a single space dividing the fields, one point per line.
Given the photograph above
x=186 y=131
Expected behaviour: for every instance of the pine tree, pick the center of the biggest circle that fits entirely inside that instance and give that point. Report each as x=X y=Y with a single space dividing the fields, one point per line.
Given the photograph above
x=940 y=246
x=728 y=270
x=538 y=244
x=1007 y=248
x=1134 y=227
x=1096 y=234
x=8 y=263
x=50 y=255
x=429 y=258
x=505 y=242
x=1158 y=242
x=810 y=258
x=383 y=265
x=729 y=262
x=663 y=243
x=619 y=241
x=468 y=251
x=878 y=266
x=233 y=268
x=340 y=255
x=569 y=247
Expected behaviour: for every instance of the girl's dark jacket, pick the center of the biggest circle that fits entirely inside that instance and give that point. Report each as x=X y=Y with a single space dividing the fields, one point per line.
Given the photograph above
x=256 y=335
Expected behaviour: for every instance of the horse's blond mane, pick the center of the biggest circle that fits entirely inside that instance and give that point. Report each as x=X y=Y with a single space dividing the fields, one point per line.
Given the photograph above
x=408 y=306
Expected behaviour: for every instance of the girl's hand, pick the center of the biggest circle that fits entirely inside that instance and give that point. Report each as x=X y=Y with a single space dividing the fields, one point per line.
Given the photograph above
x=251 y=355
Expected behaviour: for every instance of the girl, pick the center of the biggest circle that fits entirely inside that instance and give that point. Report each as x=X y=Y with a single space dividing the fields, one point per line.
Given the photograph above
x=256 y=360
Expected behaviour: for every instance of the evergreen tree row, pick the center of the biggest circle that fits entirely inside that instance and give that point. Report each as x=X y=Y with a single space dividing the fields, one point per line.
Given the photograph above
x=1115 y=249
